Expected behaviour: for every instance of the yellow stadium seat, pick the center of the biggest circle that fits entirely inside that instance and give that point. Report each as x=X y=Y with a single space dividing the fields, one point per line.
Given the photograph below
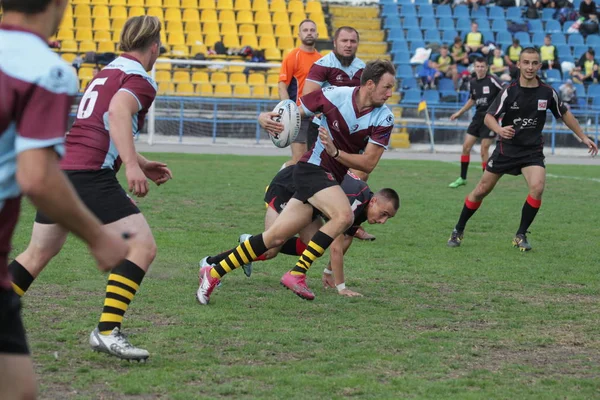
x=173 y=14
x=242 y=5
x=274 y=93
x=281 y=18
x=245 y=17
x=172 y=4
x=278 y=5
x=194 y=38
x=80 y=1
x=241 y=91
x=313 y=6
x=117 y=2
x=225 y=4
x=106 y=47
x=83 y=34
x=205 y=90
x=135 y=3
x=136 y=12
x=101 y=12
x=249 y=40
x=264 y=29
x=163 y=36
x=211 y=28
x=175 y=39
x=222 y=90
x=87 y=45
x=83 y=23
x=163 y=67
x=231 y=40
x=193 y=26
x=180 y=51
x=261 y=17
x=118 y=12
x=116 y=36
x=162 y=76
x=265 y=42
x=181 y=77
x=207 y=4
x=247 y=29
x=166 y=89
x=69 y=46
x=226 y=16
x=295 y=6
x=82 y=10
x=156 y=12
x=102 y=24
x=238 y=78
x=174 y=26
x=260 y=5
x=198 y=48
x=67 y=22
x=296 y=18
x=260 y=92
x=285 y=43
x=208 y=16
x=200 y=77
x=99 y=2
x=229 y=28
x=185 y=89
x=68 y=57
x=234 y=68
x=256 y=79
x=218 y=77
x=211 y=39
x=189 y=3
x=65 y=34
x=154 y=3
x=273 y=79
x=83 y=85
x=283 y=31
x=272 y=54
x=118 y=23
x=102 y=36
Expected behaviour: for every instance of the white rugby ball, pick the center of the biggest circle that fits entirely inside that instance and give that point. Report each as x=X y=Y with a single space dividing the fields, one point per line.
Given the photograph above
x=289 y=115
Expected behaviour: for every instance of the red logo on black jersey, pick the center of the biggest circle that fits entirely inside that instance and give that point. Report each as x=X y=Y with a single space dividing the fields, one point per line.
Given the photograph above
x=330 y=176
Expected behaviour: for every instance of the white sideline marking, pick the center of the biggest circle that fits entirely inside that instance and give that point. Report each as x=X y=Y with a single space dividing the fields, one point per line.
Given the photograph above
x=577 y=178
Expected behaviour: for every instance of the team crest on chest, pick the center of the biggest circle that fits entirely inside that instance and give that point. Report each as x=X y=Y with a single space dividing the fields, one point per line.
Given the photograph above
x=542 y=105
x=354 y=128
x=486 y=90
x=336 y=125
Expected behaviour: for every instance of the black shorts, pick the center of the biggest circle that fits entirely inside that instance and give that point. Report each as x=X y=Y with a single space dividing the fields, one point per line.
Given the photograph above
x=310 y=179
x=12 y=332
x=503 y=164
x=281 y=190
x=478 y=129
x=101 y=192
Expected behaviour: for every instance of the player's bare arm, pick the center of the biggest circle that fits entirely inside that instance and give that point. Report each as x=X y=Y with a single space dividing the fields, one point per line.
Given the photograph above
x=41 y=179
x=506 y=132
x=571 y=122
x=283 y=91
x=338 y=249
x=470 y=103
x=310 y=86
x=156 y=171
x=367 y=161
x=122 y=107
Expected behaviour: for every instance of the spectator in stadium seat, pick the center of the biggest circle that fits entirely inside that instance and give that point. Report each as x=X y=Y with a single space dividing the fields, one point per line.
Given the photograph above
x=587 y=9
x=498 y=65
x=294 y=70
x=568 y=92
x=549 y=54
x=540 y=4
x=95 y=71
x=445 y=64
x=459 y=52
x=512 y=57
x=586 y=69
x=474 y=41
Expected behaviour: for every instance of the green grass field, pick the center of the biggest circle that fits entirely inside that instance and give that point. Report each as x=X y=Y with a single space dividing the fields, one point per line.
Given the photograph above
x=479 y=321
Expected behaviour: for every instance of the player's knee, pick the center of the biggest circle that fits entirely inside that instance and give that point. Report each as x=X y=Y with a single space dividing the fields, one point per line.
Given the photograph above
x=536 y=190
x=145 y=249
x=345 y=218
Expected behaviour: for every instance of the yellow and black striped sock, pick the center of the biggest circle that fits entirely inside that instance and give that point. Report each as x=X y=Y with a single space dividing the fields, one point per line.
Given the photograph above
x=123 y=282
x=315 y=249
x=246 y=252
x=21 y=278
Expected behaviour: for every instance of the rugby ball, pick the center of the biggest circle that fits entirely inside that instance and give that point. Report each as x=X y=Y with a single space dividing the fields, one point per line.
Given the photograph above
x=288 y=115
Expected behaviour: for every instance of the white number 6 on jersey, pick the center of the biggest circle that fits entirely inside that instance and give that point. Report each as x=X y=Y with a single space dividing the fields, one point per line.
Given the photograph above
x=88 y=101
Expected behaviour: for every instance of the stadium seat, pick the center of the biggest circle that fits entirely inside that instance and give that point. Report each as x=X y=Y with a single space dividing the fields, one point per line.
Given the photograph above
x=426 y=11
x=446 y=24
x=86 y=73
x=83 y=34
x=218 y=77
x=593 y=40
x=401 y=57
x=191 y=15
x=283 y=30
x=431 y=97
x=593 y=90
x=411 y=97
x=87 y=45
x=211 y=39
x=162 y=76
x=461 y=11
x=411 y=24
x=463 y=24
x=408 y=11
x=245 y=17
x=404 y=71
x=103 y=24
x=273 y=79
x=265 y=42
x=180 y=51
x=415 y=44
x=224 y=4
x=395 y=33
x=249 y=40
x=117 y=2
x=496 y=12
x=242 y=91
x=156 y=12
x=247 y=29
x=173 y=14
x=409 y=83
x=538 y=38
x=281 y=18
x=204 y=90
x=432 y=36
x=558 y=38
x=413 y=35
x=240 y=5
x=136 y=11
x=222 y=90
x=504 y=39
x=296 y=18
x=135 y=3
x=166 y=88
x=448 y=37
x=579 y=50
x=260 y=92
x=154 y=3
x=443 y=11
x=524 y=39
x=499 y=25
x=553 y=75
x=564 y=52
x=181 y=77
x=272 y=54
x=102 y=36
x=185 y=89
x=535 y=26
x=200 y=77
x=595 y=102
x=264 y=29
x=208 y=5
x=172 y=4
x=553 y=26
x=575 y=39
x=211 y=28
x=260 y=5
x=229 y=28
x=106 y=47
x=256 y=79
x=548 y=14
x=174 y=26
x=313 y=6
x=231 y=41
x=479 y=13
x=238 y=78
x=67 y=22
x=285 y=43
x=82 y=10
x=262 y=17
x=277 y=5
x=198 y=49
x=190 y=4
x=175 y=39
x=226 y=16
x=295 y=6
x=514 y=14
x=65 y=34
x=116 y=12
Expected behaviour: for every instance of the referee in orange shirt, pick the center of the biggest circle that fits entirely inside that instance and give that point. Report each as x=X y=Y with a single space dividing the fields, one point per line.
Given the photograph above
x=294 y=70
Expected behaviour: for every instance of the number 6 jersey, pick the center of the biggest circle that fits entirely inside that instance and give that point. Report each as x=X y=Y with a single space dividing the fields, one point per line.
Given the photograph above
x=88 y=143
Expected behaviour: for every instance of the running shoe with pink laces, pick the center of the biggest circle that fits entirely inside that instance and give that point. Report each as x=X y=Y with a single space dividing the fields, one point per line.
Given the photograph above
x=206 y=285
x=297 y=284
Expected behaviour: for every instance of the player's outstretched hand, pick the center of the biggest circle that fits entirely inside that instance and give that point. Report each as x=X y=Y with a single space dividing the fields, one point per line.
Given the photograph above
x=328 y=281
x=136 y=180
x=327 y=142
x=507 y=132
x=593 y=149
x=454 y=117
x=349 y=293
x=157 y=172
x=265 y=119
x=109 y=250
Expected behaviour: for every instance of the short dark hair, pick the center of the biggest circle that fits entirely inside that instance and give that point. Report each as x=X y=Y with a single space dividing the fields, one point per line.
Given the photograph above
x=444 y=46
x=374 y=70
x=516 y=41
x=347 y=29
x=305 y=21
x=529 y=50
x=390 y=195
x=481 y=60
x=591 y=51
x=25 y=6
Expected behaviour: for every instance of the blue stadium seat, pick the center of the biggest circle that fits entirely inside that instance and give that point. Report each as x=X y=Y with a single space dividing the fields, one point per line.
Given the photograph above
x=499 y=25
x=432 y=97
x=389 y=9
x=538 y=38
x=421 y=2
x=461 y=11
x=593 y=40
x=484 y=25
x=399 y=45
x=447 y=91
x=392 y=22
x=504 y=39
x=514 y=14
x=401 y=57
x=479 y=13
x=411 y=97
x=553 y=75
x=463 y=24
x=564 y=52
x=535 y=26
x=496 y=12
x=404 y=71
x=443 y=11
x=414 y=45
x=576 y=4
x=448 y=37
x=580 y=89
x=446 y=24
x=595 y=102
x=411 y=23
x=409 y=84
x=432 y=35
x=593 y=90
x=408 y=10
x=395 y=33
x=403 y=2
x=426 y=11
x=553 y=26
x=575 y=39
x=558 y=38
x=579 y=50
x=414 y=34
x=523 y=38
x=548 y=14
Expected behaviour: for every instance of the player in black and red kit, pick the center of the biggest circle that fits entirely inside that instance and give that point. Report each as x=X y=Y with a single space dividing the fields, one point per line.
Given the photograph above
x=484 y=88
x=524 y=105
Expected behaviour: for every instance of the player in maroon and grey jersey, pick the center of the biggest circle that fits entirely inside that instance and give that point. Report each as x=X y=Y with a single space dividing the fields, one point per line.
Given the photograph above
x=110 y=113
x=36 y=93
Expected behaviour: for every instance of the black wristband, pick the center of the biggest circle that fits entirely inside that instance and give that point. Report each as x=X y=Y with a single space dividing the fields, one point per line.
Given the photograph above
x=337 y=153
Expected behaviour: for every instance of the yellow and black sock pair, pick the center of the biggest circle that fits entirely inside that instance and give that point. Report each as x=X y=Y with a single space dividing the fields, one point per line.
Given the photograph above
x=246 y=252
x=21 y=278
x=315 y=249
x=123 y=283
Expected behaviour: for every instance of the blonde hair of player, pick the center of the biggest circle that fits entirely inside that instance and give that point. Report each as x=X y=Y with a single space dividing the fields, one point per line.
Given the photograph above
x=141 y=38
